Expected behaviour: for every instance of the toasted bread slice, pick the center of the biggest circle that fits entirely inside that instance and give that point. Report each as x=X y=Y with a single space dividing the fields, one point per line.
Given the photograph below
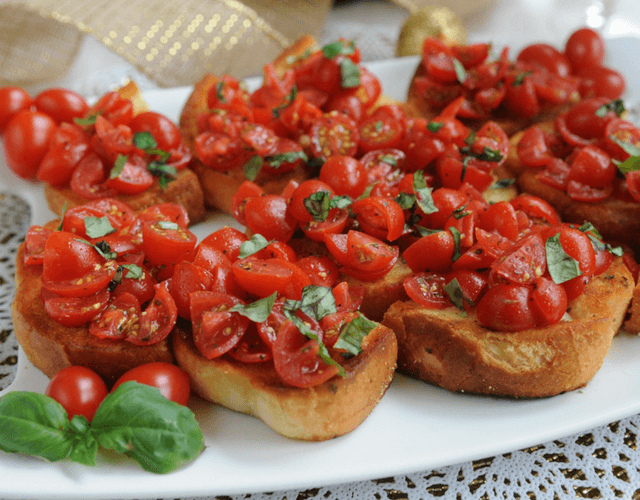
x=328 y=410
x=51 y=346
x=185 y=190
x=452 y=350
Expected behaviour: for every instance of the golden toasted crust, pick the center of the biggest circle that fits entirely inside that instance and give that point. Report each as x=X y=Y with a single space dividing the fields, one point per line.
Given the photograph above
x=51 y=346
x=418 y=106
x=454 y=351
x=185 y=190
x=632 y=322
x=331 y=409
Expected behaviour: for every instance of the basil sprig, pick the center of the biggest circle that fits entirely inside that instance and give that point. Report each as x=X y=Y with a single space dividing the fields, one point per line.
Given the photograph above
x=562 y=267
x=135 y=420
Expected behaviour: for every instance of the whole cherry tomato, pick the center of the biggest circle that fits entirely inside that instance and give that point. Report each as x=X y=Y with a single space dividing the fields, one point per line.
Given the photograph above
x=63 y=105
x=26 y=141
x=345 y=174
x=546 y=56
x=78 y=389
x=171 y=380
x=584 y=48
x=12 y=100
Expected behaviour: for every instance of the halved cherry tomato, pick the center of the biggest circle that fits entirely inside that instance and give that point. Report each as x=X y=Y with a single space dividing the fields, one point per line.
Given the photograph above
x=74 y=311
x=297 y=206
x=345 y=175
x=166 y=243
x=549 y=300
x=163 y=130
x=268 y=215
x=433 y=252
x=524 y=263
x=120 y=318
x=380 y=217
x=188 y=278
x=158 y=318
x=251 y=348
x=88 y=179
x=427 y=289
x=34 y=243
x=334 y=134
x=296 y=359
x=216 y=330
x=227 y=240
x=506 y=307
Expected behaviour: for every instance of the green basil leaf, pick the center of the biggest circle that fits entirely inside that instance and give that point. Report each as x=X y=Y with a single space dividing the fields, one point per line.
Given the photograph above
x=349 y=74
x=423 y=193
x=34 y=424
x=85 y=445
x=277 y=160
x=461 y=73
x=617 y=106
x=118 y=166
x=140 y=422
x=104 y=249
x=168 y=225
x=405 y=200
x=503 y=183
x=456 y=241
x=316 y=302
x=144 y=140
x=455 y=293
x=252 y=167
x=134 y=272
x=353 y=333
x=435 y=126
x=253 y=245
x=318 y=205
x=257 y=311
x=97 y=227
x=561 y=266
x=89 y=120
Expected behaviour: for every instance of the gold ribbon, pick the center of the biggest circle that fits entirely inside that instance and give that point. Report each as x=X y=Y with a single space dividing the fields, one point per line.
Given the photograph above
x=173 y=42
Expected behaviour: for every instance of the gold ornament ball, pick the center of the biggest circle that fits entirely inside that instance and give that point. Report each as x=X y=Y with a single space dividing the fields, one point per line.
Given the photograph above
x=429 y=22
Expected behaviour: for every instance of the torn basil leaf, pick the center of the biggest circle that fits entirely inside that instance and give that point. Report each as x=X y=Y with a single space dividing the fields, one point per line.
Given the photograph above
x=353 y=333
x=561 y=266
x=98 y=227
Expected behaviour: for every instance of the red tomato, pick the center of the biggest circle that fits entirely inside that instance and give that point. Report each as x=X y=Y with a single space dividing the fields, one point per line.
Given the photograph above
x=63 y=105
x=583 y=121
x=68 y=146
x=524 y=263
x=501 y=217
x=216 y=330
x=537 y=208
x=384 y=128
x=532 y=148
x=163 y=130
x=296 y=359
x=268 y=215
x=335 y=223
x=119 y=319
x=472 y=285
x=593 y=166
x=368 y=254
x=188 y=278
x=433 y=252
x=322 y=271
x=427 y=289
x=171 y=380
x=157 y=320
x=26 y=140
x=227 y=240
x=166 y=243
x=73 y=268
x=379 y=216
x=345 y=175
x=520 y=97
x=585 y=47
x=34 y=243
x=87 y=180
x=334 y=134
x=132 y=178
x=618 y=130
x=79 y=390
x=549 y=300
x=114 y=108
x=577 y=245
x=12 y=101
x=506 y=307
x=601 y=81
x=251 y=348
x=297 y=206
x=545 y=56
x=74 y=311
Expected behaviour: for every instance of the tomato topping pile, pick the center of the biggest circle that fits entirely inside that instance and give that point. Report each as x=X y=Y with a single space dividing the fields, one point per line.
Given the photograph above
x=540 y=75
x=108 y=269
x=591 y=154
x=320 y=113
x=98 y=151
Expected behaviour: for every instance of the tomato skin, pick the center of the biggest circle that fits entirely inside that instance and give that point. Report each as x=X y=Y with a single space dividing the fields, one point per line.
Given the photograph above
x=12 y=101
x=583 y=121
x=585 y=47
x=380 y=216
x=163 y=130
x=546 y=56
x=433 y=252
x=334 y=134
x=165 y=245
x=345 y=175
x=601 y=81
x=79 y=390
x=427 y=289
x=593 y=166
x=63 y=105
x=505 y=307
x=74 y=311
x=171 y=380
x=549 y=301
x=268 y=215
x=297 y=207
x=26 y=140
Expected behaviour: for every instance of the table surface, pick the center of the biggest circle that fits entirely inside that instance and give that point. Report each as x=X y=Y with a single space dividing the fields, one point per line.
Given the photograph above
x=601 y=463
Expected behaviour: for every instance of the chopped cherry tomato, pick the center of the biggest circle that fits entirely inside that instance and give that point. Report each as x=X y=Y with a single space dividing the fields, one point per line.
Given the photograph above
x=585 y=121
x=268 y=215
x=34 y=243
x=298 y=205
x=433 y=252
x=251 y=348
x=216 y=330
x=549 y=301
x=322 y=271
x=545 y=56
x=593 y=166
x=380 y=217
x=79 y=390
x=87 y=180
x=132 y=178
x=524 y=263
x=537 y=208
x=335 y=223
x=114 y=108
x=532 y=148
x=601 y=81
x=163 y=130
x=74 y=311
x=68 y=146
x=119 y=319
x=166 y=243
x=171 y=380
x=506 y=307
x=345 y=175
x=620 y=131
x=157 y=320
x=188 y=278
x=381 y=129
x=501 y=217
x=427 y=289
x=227 y=240
x=334 y=134
x=73 y=268
x=296 y=359
x=368 y=254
